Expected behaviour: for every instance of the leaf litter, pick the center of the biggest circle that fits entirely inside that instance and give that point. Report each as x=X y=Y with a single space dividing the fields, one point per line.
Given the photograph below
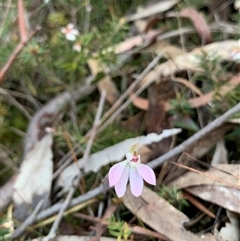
x=178 y=89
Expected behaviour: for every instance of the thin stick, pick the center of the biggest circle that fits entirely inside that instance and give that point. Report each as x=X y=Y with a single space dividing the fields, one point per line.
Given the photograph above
x=24 y=225
x=195 y=138
x=14 y=55
x=207 y=175
x=117 y=104
x=22 y=22
x=15 y=103
x=53 y=232
x=94 y=128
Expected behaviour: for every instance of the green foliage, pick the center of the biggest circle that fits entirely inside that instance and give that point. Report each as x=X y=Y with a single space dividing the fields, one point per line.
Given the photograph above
x=174 y=197
x=212 y=79
x=180 y=105
x=210 y=64
x=119 y=229
x=197 y=4
x=236 y=17
x=56 y=19
x=5 y=228
x=49 y=63
x=52 y=51
x=223 y=103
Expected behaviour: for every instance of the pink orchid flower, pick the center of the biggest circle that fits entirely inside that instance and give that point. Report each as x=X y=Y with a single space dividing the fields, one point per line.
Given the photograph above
x=70 y=32
x=132 y=169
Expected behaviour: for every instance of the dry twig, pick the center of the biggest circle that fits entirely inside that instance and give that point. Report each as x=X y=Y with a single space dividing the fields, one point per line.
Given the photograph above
x=24 y=39
x=117 y=108
x=53 y=232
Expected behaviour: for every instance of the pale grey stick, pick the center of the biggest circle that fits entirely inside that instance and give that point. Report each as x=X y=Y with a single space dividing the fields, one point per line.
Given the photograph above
x=104 y=187
x=118 y=103
x=53 y=231
x=23 y=226
x=94 y=128
x=196 y=137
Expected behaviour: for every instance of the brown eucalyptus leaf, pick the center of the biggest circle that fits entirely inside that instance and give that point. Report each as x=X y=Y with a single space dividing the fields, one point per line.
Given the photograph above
x=170 y=50
x=199 y=23
x=227 y=197
x=190 y=179
x=198 y=150
x=214 y=185
x=191 y=60
x=106 y=83
x=135 y=41
x=202 y=100
x=157 y=213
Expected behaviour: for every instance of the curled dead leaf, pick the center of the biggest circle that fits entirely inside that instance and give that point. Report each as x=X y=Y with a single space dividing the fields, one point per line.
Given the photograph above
x=199 y=23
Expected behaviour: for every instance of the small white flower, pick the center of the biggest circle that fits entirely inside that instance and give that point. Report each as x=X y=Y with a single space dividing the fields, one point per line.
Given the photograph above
x=77 y=47
x=70 y=32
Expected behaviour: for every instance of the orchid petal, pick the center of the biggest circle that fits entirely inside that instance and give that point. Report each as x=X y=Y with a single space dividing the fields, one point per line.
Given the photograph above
x=70 y=37
x=75 y=32
x=136 y=182
x=120 y=187
x=146 y=173
x=129 y=156
x=116 y=172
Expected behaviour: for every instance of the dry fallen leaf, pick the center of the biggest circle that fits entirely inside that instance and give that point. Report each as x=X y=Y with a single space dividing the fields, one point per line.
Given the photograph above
x=219 y=187
x=105 y=83
x=110 y=154
x=202 y=100
x=157 y=213
x=198 y=150
x=194 y=179
x=135 y=41
x=199 y=23
x=191 y=60
x=170 y=51
x=34 y=180
x=156 y=8
x=206 y=98
x=220 y=154
x=227 y=197
x=231 y=230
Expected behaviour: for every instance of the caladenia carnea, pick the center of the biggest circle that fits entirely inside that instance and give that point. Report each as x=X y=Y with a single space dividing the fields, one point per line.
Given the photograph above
x=131 y=169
